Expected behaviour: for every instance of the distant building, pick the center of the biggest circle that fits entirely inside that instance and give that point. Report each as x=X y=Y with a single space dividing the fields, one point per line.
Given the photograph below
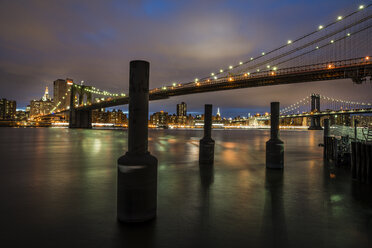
x=343 y=120
x=21 y=115
x=7 y=109
x=218 y=116
x=118 y=117
x=61 y=93
x=159 y=119
x=40 y=107
x=181 y=113
x=100 y=116
x=46 y=95
x=43 y=106
x=182 y=109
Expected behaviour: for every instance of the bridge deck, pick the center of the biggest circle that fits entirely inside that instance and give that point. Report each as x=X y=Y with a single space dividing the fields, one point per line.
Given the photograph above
x=353 y=69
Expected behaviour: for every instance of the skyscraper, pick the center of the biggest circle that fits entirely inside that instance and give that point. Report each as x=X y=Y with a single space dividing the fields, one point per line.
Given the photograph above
x=182 y=109
x=181 y=113
x=43 y=106
x=7 y=109
x=46 y=94
x=61 y=92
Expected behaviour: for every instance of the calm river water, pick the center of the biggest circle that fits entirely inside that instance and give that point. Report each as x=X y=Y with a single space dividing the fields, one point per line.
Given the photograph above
x=58 y=189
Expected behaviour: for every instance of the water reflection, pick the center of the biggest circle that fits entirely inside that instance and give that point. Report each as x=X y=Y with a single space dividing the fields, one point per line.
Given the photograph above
x=66 y=179
x=274 y=229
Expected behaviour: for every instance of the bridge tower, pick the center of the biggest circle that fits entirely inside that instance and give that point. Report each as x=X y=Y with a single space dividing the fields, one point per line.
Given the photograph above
x=315 y=108
x=80 y=118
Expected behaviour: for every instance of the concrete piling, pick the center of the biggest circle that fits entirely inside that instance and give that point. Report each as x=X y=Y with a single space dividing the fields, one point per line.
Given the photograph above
x=326 y=134
x=206 y=148
x=274 y=147
x=137 y=169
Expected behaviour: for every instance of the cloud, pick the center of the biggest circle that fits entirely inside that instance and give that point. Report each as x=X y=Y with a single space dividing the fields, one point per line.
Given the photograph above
x=94 y=41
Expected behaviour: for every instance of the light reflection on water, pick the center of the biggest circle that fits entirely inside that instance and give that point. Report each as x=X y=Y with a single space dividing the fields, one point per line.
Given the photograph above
x=66 y=179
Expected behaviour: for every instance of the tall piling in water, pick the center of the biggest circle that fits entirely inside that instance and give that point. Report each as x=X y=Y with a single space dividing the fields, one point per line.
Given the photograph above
x=137 y=169
x=326 y=134
x=274 y=147
x=206 y=148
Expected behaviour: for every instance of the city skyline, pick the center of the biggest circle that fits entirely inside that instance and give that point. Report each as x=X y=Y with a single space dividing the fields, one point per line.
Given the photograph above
x=104 y=52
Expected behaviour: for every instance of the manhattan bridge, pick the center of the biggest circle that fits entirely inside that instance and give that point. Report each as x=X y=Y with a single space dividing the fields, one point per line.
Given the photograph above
x=339 y=49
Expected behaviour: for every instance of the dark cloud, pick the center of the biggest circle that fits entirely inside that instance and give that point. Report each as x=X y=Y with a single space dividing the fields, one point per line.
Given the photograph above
x=94 y=41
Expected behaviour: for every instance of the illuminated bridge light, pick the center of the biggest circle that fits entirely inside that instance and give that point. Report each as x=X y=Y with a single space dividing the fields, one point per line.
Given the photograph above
x=164 y=88
x=317 y=47
x=221 y=70
x=289 y=42
x=268 y=66
x=174 y=84
x=320 y=27
x=196 y=80
x=212 y=74
x=348 y=34
x=332 y=41
x=230 y=67
x=258 y=70
x=215 y=77
x=275 y=68
x=339 y=18
x=263 y=53
x=361 y=7
x=240 y=63
x=367 y=57
x=251 y=58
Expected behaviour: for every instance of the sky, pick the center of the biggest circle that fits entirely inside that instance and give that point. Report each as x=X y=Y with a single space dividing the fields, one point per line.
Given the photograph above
x=94 y=41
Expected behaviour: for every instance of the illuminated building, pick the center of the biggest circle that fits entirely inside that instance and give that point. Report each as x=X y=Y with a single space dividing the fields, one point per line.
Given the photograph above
x=46 y=95
x=40 y=107
x=117 y=117
x=7 y=109
x=61 y=93
x=181 y=113
x=182 y=109
x=43 y=106
x=21 y=115
x=159 y=119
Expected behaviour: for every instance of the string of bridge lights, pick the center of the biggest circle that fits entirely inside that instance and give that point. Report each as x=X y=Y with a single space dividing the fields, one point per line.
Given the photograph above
x=289 y=42
x=99 y=92
x=306 y=100
x=342 y=101
x=59 y=103
x=214 y=75
x=295 y=106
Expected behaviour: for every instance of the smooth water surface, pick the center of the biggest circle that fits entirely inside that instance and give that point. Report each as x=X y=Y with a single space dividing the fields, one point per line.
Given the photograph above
x=58 y=189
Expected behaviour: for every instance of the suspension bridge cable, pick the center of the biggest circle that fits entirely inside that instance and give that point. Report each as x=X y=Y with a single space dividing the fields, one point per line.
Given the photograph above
x=294 y=41
x=325 y=45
